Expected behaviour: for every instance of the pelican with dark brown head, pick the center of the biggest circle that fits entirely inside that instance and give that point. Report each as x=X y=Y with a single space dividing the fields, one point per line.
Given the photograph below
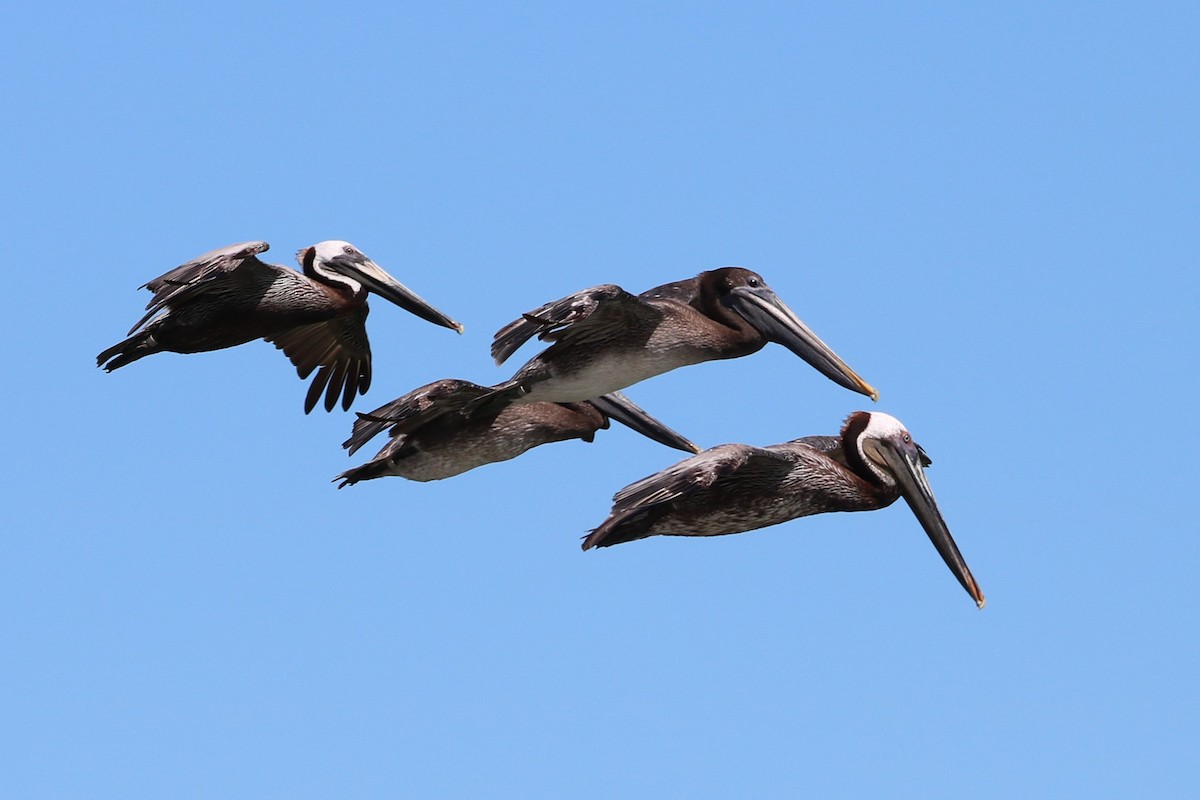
x=604 y=339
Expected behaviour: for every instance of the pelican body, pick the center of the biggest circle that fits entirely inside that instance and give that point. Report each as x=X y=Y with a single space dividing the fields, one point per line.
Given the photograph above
x=431 y=440
x=605 y=339
x=736 y=487
x=227 y=297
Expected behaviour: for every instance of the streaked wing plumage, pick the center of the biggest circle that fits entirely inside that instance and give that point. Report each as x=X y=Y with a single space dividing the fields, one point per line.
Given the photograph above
x=413 y=410
x=595 y=309
x=828 y=445
x=192 y=277
x=718 y=478
x=700 y=472
x=340 y=352
x=684 y=291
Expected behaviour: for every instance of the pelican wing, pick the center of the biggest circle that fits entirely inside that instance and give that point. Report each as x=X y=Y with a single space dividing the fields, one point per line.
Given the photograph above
x=724 y=464
x=721 y=469
x=580 y=315
x=338 y=349
x=202 y=272
x=684 y=291
x=413 y=410
x=830 y=446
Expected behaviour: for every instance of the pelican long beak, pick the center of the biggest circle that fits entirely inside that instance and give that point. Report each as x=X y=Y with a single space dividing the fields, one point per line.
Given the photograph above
x=914 y=487
x=376 y=280
x=619 y=407
x=763 y=309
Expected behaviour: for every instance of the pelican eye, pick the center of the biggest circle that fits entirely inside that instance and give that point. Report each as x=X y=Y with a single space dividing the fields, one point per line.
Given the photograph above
x=753 y=282
x=348 y=250
x=907 y=438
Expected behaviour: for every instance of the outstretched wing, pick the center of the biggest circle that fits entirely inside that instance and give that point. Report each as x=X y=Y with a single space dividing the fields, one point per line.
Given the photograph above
x=593 y=312
x=411 y=411
x=194 y=276
x=338 y=349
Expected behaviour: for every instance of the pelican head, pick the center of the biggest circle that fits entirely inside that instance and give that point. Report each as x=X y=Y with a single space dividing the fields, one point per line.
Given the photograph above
x=888 y=450
x=342 y=264
x=748 y=294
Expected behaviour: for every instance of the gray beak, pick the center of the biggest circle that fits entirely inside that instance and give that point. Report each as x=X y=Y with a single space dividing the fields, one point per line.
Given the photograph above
x=376 y=280
x=763 y=309
x=619 y=407
x=907 y=466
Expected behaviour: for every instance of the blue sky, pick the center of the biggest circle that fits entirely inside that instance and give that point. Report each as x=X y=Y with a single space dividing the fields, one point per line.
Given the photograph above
x=989 y=210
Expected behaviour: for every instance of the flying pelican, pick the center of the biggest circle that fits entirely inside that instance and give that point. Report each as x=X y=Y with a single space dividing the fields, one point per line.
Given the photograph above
x=733 y=488
x=605 y=339
x=227 y=297
x=430 y=440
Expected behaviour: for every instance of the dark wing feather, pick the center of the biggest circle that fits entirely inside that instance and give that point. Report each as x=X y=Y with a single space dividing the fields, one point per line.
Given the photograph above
x=684 y=291
x=194 y=276
x=638 y=505
x=338 y=350
x=830 y=446
x=409 y=412
x=717 y=464
x=822 y=444
x=551 y=321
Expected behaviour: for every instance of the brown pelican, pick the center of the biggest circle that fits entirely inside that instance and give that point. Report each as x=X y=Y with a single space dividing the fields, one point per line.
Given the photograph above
x=227 y=297
x=430 y=440
x=735 y=487
x=605 y=339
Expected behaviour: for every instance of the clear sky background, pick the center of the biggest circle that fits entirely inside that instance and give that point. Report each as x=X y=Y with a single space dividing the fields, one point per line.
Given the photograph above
x=988 y=209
